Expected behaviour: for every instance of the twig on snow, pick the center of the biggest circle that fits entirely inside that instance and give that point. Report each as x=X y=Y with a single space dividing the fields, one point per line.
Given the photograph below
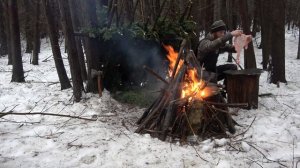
x=49 y=114
x=9 y=112
x=256 y=162
x=274 y=161
x=246 y=129
x=199 y=155
x=124 y=125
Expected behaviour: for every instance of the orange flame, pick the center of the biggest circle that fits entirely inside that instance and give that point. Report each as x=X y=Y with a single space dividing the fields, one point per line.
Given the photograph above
x=172 y=57
x=192 y=84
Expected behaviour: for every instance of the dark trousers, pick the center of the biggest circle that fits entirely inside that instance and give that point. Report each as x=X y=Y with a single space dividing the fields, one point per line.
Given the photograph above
x=220 y=72
x=221 y=68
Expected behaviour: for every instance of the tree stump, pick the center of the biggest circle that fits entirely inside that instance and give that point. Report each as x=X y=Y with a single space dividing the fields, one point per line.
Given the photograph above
x=243 y=86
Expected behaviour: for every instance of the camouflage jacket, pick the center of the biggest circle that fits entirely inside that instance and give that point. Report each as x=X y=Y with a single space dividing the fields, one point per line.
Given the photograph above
x=210 y=48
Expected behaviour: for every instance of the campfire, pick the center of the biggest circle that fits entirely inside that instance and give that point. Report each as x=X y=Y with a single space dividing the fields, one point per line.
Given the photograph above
x=192 y=83
x=189 y=105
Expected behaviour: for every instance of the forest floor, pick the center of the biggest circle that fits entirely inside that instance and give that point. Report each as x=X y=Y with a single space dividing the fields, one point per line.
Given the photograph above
x=269 y=136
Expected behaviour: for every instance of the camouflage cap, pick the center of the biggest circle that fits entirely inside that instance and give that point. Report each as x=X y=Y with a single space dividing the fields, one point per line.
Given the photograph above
x=217 y=26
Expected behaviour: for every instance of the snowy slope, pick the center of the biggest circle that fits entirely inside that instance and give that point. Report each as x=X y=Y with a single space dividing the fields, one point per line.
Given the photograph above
x=48 y=141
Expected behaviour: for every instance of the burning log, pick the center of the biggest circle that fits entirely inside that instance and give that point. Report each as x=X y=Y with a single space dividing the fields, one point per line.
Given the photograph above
x=189 y=104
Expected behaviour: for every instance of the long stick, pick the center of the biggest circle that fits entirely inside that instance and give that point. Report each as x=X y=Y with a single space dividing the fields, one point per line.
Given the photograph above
x=178 y=58
x=50 y=114
x=155 y=74
x=228 y=104
x=237 y=63
x=147 y=111
x=170 y=110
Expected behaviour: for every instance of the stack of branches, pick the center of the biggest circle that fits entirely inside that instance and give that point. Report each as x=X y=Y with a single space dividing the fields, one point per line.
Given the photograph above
x=171 y=117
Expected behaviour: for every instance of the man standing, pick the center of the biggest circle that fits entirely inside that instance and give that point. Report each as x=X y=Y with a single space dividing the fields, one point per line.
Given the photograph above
x=214 y=44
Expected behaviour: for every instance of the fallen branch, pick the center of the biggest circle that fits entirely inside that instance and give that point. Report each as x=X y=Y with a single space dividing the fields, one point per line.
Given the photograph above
x=45 y=60
x=265 y=95
x=49 y=114
x=228 y=104
x=31 y=81
x=11 y=71
x=247 y=128
x=200 y=155
x=274 y=161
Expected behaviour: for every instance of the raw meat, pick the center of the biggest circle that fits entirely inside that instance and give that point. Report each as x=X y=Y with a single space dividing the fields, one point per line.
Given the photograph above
x=241 y=42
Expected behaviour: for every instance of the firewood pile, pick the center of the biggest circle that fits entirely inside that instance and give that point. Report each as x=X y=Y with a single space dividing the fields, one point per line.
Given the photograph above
x=190 y=106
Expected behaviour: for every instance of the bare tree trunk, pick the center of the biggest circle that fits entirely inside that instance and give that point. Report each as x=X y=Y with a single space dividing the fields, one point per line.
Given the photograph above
x=92 y=46
x=28 y=6
x=298 y=14
x=298 y=55
x=17 y=72
x=7 y=30
x=249 y=56
x=266 y=32
x=75 y=21
x=229 y=8
x=278 y=42
x=217 y=9
x=72 y=50
x=3 y=39
x=256 y=17
x=128 y=10
x=53 y=34
x=208 y=15
x=289 y=13
x=157 y=7
x=36 y=35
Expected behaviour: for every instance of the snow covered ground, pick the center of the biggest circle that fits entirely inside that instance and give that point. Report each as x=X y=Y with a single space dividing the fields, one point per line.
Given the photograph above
x=273 y=139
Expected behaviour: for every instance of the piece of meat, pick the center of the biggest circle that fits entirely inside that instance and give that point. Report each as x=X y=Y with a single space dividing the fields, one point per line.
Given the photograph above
x=241 y=42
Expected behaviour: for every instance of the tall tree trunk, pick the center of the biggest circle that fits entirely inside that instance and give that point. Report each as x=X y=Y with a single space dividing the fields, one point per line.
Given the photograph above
x=298 y=55
x=229 y=8
x=17 y=72
x=298 y=20
x=3 y=39
x=129 y=10
x=53 y=33
x=249 y=56
x=208 y=15
x=72 y=50
x=217 y=9
x=266 y=31
x=278 y=42
x=7 y=30
x=92 y=46
x=28 y=25
x=257 y=15
x=289 y=6
x=75 y=21
x=36 y=35
x=156 y=7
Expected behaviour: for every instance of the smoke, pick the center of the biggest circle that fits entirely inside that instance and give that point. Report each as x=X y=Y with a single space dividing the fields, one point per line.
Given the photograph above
x=135 y=53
